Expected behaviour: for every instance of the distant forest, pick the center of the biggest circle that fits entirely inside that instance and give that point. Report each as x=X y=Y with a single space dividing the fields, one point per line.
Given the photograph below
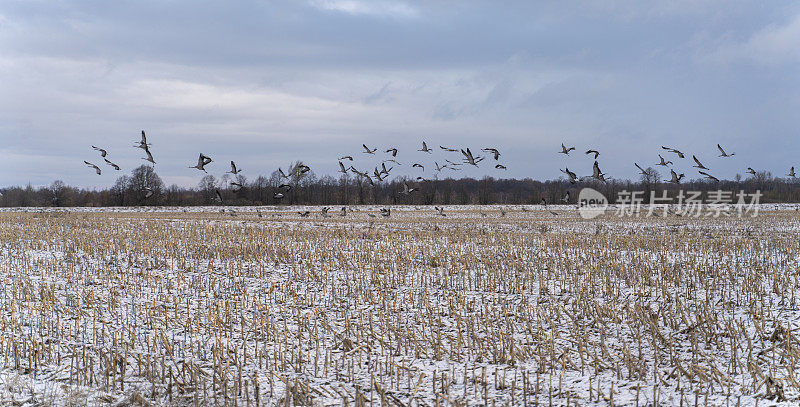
x=143 y=187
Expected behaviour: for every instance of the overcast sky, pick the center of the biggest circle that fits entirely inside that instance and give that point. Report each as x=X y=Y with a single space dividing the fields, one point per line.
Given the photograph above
x=267 y=82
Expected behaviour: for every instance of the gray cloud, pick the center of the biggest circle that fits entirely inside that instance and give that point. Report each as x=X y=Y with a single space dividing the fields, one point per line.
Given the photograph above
x=267 y=82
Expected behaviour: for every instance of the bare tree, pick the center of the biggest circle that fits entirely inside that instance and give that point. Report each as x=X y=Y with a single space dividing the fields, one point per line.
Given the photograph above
x=651 y=182
x=146 y=185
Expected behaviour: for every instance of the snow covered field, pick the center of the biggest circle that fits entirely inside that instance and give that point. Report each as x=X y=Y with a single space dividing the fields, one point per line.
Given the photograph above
x=264 y=306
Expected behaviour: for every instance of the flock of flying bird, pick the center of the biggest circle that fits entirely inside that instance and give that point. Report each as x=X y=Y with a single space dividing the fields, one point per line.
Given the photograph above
x=597 y=174
x=381 y=172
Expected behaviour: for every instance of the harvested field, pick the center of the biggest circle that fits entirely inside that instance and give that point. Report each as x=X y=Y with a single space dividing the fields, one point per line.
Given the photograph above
x=262 y=308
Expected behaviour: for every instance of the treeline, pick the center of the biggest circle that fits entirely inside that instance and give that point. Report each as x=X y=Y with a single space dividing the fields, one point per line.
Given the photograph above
x=143 y=187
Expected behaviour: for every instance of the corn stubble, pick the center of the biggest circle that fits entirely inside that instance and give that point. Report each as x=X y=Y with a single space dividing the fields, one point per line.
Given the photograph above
x=524 y=309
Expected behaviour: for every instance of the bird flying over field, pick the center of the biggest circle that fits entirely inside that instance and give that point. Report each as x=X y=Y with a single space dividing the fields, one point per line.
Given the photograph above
x=723 y=153
x=367 y=150
x=572 y=176
x=393 y=151
x=406 y=190
x=641 y=170
x=595 y=152
x=342 y=169
x=500 y=166
x=103 y=152
x=233 y=170
x=347 y=157
x=672 y=150
x=676 y=179
x=143 y=142
x=791 y=173
x=115 y=166
x=751 y=171
x=709 y=176
x=425 y=148
x=96 y=168
x=418 y=166
x=149 y=155
x=495 y=153
x=469 y=159
x=565 y=150
x=597 y=174
x=663 y=161
x=452 y=150
x=699 y=164
x=202 y=161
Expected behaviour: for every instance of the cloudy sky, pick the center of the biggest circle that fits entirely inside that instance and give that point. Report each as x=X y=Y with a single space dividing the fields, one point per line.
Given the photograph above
x=267 y=82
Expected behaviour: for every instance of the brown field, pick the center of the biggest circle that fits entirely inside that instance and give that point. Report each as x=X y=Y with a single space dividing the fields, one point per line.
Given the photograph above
x=185 y=308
